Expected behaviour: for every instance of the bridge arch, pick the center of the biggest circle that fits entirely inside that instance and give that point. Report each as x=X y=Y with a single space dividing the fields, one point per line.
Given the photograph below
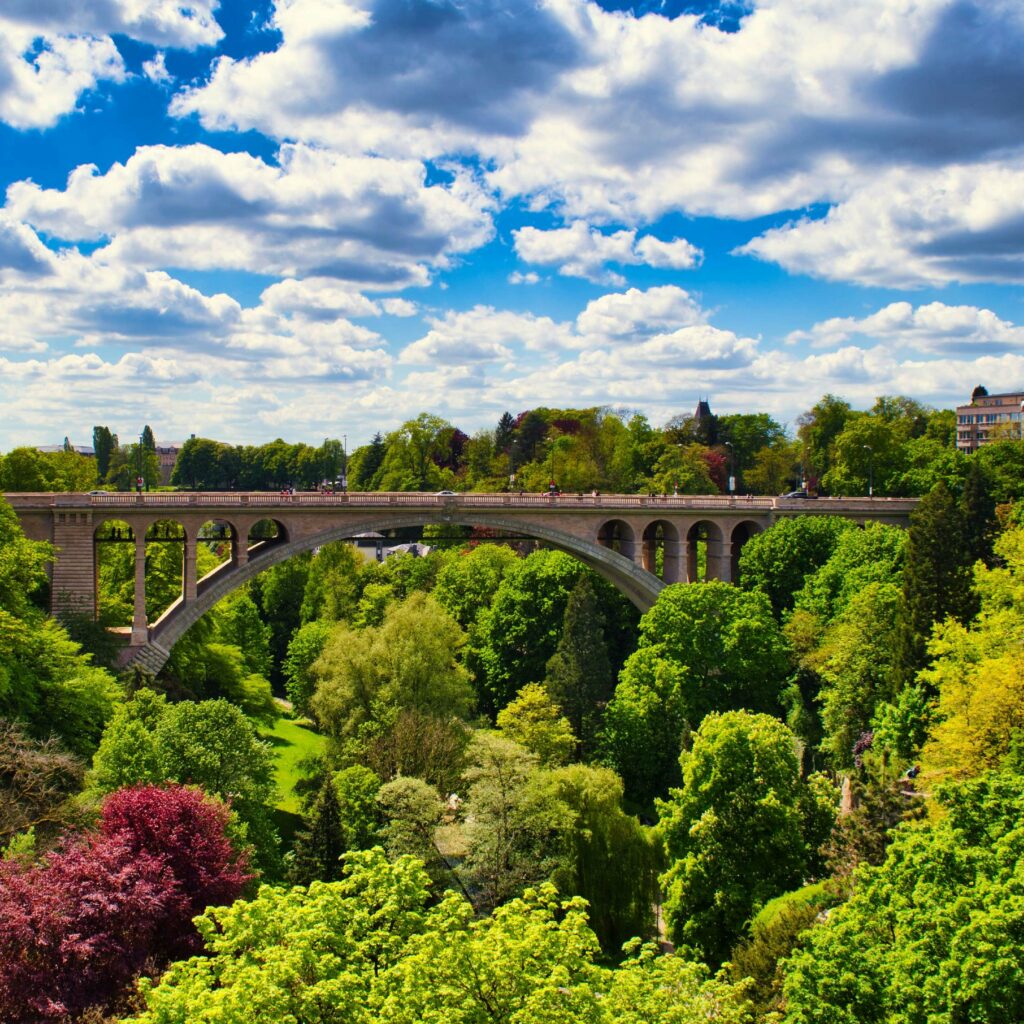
x=741 y=533
x=638 y=585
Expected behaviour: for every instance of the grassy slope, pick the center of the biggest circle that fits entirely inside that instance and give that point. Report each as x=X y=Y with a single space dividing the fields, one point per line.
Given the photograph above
x=292 y=740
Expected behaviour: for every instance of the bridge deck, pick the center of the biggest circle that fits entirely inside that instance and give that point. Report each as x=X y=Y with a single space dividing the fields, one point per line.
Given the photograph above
x=413 y=499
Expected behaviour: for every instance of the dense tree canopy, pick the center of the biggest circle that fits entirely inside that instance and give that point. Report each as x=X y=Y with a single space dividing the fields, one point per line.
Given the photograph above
x=933 y=934
x=742 y=828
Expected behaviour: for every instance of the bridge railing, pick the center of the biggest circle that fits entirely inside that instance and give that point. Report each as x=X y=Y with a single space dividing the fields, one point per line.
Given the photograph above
x=377 y=499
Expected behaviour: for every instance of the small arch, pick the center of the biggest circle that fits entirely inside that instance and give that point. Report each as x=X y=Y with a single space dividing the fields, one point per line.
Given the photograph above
x=661 y=550
x=617 y=535
x=741 y=533
x=165 y=566
x=263 y=535
x=114 y=565
x=219 y=537
x=704 y=543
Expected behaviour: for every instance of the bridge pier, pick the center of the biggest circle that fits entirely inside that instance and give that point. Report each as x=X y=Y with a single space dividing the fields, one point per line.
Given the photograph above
x=719 y=560
x=188 y=567
x=140 y=624
x=675 y=565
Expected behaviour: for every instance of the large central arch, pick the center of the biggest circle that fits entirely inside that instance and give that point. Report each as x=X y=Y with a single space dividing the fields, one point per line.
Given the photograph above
x=638 y=585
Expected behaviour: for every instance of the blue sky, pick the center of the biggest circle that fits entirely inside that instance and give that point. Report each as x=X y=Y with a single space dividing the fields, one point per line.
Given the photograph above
x=303 y=218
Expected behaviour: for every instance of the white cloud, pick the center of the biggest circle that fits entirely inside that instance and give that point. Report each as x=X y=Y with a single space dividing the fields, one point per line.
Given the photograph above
x=53 y=51
x=186 y=25
x=484 y=334
x=613 y=119
x=911 y=228
x=399 y=307
x=36 y=89
x=619 y=314
x=582 y=251
x=932 y=328
x=371 y=222
x=530 y=277
x=156 y=69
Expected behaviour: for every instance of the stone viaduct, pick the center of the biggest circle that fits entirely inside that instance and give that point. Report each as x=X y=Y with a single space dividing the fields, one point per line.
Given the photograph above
x=638 y=543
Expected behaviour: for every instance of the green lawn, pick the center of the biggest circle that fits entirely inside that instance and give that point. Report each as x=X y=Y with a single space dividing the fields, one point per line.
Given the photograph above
x=292 y=740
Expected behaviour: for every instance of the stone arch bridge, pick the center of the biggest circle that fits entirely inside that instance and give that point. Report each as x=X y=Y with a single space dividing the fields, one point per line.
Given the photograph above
x=639 y=543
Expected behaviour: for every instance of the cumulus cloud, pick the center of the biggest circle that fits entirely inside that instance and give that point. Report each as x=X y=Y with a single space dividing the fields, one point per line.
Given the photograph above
x=53 y=51
x=582 y=251
x=372 y=222
x=908 y=228
x=392 y=75
x=484 y=334
x=634 y=311
x=931 y=328
x=40 y=84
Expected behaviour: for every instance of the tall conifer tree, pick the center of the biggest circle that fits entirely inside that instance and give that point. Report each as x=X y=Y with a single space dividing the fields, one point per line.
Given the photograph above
x=579 y=675
x=937 y=574
x=318 y=848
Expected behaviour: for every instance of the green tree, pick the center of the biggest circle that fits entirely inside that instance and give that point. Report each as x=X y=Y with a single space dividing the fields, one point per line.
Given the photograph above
x=741 y=829
x=857 y=664
x=147 y=440
x=519 y=633
x=414 y=455
x=209 y=744
x=610 y=859
x=103 y=445
x=128 y=463
x=319 y=846
x=536 y=723
x=281 y=590
x=817 y=430
x=304 y=648
x=515 y=821
x=979 y=509
x=241 y=626
x=198 y=465
x=936 y=576
x=933 y=933
x=370 y=948
x=467 y=583
x=778 y=561
x=976 y=671
x=332 y=585
x=46 y=683
x=411 y=811
x=579 y=674
x=874 y=554
x=410 y=661
x=357 y=788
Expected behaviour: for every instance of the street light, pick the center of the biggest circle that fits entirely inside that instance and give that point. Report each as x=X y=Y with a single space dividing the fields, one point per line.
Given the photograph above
x=344 y=463
x=732 y=478
x=871 y=469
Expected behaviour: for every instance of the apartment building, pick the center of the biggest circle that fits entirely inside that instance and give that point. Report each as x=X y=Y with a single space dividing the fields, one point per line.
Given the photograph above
x=988 y=418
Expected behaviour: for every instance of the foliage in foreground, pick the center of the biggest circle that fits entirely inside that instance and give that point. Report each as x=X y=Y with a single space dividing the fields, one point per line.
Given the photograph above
x=933 y=935
x=77 y=927
x=371 y=948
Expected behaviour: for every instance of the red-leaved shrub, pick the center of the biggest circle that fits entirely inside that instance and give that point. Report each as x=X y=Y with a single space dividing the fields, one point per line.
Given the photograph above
x=76 y=928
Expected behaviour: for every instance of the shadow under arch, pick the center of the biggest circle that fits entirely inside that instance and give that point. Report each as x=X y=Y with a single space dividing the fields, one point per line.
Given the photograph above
x=638 y=585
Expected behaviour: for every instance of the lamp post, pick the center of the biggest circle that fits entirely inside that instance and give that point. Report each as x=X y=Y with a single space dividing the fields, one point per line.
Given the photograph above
x=871 y=469
x=732 y=478
x=344 y=463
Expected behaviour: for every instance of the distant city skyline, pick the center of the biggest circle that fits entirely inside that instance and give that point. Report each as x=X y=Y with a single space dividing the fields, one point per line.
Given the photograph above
x=263 y=218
